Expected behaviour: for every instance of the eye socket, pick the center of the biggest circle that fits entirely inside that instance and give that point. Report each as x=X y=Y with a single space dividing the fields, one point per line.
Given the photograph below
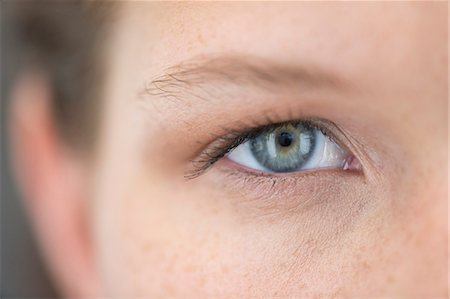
x=290 y=147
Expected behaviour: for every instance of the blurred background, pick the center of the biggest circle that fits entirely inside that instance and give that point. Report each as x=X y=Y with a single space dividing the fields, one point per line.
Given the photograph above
x=22 y=272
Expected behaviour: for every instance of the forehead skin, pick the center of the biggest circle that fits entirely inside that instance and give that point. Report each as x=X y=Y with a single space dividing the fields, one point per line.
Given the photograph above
x=157 y=234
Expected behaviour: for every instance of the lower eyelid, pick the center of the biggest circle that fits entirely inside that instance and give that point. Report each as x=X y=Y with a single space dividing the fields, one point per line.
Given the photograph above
x=232 y=166
x=272 y=193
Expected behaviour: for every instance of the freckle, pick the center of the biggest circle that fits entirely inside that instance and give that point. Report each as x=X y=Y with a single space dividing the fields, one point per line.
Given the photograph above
x=390 y=279
x=189 y=268
x=338 y=292
x=201 y=281
x=213 y=256
x=168 y=288
x=170 y=265
x=224 y=269
x=146 y=247
x=200 y=39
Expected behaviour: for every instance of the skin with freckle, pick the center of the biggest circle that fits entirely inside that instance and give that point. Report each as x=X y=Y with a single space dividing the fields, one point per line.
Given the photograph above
x=377 y=228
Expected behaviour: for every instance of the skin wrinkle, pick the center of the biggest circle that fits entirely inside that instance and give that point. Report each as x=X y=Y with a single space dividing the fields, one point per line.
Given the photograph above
x=281 y=207
x=303 y=257
x=305 y=252
x=283 y=198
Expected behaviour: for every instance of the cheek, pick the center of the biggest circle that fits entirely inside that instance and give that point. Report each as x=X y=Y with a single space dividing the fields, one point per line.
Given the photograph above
x=157 y=236
x=160 y=237
x=159 y=241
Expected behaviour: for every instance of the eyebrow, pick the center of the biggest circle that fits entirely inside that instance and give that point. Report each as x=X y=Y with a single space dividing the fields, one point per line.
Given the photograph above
x=205 y=77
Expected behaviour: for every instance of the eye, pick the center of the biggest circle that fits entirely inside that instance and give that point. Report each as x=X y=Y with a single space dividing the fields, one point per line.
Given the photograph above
x=280 y=148
x=290 y=147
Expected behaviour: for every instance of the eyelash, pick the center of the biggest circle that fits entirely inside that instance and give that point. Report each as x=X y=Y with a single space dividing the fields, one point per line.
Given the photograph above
x=224 y=144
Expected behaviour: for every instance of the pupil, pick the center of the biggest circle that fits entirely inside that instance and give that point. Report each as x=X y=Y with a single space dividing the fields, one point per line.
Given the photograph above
x=285 y=139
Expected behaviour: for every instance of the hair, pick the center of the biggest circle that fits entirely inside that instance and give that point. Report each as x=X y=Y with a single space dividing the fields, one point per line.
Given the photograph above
x=65 y=40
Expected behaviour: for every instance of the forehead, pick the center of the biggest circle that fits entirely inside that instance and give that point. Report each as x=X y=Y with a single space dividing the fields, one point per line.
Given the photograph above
x=364 y=42
x=300 y=31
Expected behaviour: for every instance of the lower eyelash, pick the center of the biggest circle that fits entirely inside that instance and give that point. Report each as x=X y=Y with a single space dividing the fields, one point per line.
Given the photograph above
x=268 y=195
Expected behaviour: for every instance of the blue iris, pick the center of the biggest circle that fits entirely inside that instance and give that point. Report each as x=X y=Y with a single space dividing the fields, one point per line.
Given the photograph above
x=285 y=148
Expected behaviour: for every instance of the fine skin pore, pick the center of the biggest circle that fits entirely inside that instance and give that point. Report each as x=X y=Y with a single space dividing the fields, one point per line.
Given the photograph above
x=123 y=221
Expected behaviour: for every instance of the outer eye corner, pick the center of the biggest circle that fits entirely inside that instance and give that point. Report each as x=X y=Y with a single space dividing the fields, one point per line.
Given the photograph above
x=352 y=163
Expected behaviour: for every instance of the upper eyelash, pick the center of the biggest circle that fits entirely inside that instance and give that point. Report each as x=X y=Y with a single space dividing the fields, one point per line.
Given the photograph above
x=214 y=153
x=233 y=138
